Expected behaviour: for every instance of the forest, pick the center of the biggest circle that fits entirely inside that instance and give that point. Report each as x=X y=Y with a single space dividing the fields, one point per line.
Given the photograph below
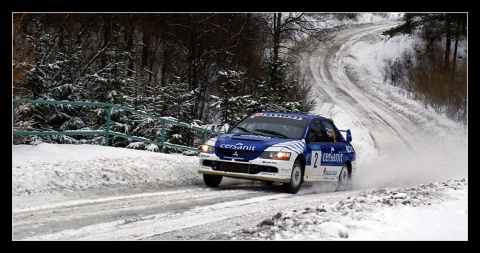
x=204 y=69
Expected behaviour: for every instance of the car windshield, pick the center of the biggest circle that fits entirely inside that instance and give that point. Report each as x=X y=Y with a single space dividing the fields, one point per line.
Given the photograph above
x=282 y=127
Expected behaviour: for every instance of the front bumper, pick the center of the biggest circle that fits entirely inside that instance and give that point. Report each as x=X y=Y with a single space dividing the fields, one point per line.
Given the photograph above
x=257 y=169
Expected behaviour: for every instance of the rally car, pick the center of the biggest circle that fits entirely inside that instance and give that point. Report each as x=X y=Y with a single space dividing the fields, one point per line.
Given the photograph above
x=288 y=148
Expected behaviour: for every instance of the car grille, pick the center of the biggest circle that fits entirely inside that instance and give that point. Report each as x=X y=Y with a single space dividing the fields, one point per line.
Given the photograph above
x=235 y=167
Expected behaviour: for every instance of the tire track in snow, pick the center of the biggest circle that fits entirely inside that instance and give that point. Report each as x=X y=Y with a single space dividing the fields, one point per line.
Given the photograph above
x=333 y=82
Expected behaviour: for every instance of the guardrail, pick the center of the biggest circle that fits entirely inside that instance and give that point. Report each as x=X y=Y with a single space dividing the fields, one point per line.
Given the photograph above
x=107 y=131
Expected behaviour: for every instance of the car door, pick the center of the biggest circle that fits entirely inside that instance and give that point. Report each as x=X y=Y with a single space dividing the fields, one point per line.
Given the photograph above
x=333 y=151
x=314 y=145
x=325 y=157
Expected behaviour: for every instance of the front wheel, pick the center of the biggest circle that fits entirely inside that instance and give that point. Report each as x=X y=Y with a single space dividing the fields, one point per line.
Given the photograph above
x=212 y=180
x=296 y=179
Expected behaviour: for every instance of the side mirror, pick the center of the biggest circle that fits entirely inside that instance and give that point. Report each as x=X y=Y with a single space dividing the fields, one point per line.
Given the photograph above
x=349 y=135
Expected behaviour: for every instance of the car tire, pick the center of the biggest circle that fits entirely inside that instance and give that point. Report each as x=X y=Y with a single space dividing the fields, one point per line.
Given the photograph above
x=344 y=179
x=212 y=180
x=296 y=179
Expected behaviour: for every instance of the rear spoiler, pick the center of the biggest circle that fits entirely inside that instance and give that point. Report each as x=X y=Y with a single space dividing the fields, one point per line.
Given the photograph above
x=348 y=134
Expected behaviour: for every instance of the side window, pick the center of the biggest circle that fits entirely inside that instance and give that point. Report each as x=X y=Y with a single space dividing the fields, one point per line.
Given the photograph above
x=315 y=134
x=331 y=134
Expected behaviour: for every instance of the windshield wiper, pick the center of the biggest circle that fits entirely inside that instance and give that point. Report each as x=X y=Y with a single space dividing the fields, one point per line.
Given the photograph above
x=271 y=132
x=243 y=129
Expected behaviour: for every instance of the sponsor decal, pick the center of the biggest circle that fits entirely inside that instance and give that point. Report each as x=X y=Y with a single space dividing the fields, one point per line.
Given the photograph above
x=279 y=116
x=233 y=158
x=315 y=147
x=330 y=157
x=267 y=173
x=238 y=146
x=268 y=162
x=349 y=149
x=329 y=172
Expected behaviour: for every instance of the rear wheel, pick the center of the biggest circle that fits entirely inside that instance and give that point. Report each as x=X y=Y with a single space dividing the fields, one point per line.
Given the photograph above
x=296 y=179
x=344 y=179
x=212 y=180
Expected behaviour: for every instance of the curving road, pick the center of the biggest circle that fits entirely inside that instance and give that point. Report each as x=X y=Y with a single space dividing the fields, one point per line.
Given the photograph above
x=390 y=131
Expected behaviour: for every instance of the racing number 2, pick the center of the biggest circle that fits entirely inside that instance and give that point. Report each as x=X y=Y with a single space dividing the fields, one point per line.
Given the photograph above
x=316 y=158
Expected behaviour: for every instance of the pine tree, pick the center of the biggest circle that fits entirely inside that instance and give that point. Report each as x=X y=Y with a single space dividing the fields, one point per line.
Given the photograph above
x=230 y=105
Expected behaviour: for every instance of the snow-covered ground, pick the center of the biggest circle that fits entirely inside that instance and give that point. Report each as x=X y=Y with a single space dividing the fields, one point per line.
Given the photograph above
x=49 y=174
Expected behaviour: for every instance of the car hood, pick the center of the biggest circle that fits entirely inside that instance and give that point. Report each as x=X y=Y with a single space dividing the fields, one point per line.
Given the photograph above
x=258 y=143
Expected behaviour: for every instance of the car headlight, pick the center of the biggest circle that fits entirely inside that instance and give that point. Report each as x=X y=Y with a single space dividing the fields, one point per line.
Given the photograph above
x=207 y=149
x=276 y=155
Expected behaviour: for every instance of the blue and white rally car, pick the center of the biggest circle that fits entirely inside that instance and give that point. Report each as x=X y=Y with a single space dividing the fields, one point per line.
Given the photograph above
x=288 y=148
